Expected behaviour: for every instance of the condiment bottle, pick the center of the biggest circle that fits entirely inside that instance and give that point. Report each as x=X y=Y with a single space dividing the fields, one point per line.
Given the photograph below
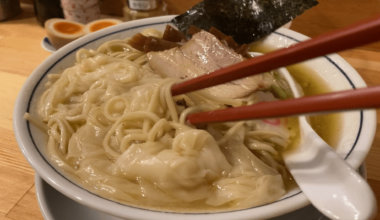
x=46 y=9
x=82 y=11
x=137 y=9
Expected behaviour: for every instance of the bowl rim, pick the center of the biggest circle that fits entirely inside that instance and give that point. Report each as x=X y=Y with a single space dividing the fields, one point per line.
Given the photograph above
x=77 y=193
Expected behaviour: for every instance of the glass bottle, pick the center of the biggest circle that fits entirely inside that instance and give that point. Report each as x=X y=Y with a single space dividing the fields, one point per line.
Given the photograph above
x=137 y=9
x=82 y=11
x=46 y=9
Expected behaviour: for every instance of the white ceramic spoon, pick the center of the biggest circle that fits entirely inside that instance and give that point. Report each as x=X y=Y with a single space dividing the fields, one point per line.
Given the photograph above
x=328 y=181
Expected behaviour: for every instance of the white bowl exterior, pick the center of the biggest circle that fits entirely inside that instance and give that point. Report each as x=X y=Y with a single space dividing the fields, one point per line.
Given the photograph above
x=360 y=124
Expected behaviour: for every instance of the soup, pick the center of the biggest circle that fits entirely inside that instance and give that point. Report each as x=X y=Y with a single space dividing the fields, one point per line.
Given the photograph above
x=115 y=128
x=327 y=126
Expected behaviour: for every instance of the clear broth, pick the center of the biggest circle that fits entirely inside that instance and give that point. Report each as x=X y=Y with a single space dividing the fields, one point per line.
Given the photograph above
x=327 y=126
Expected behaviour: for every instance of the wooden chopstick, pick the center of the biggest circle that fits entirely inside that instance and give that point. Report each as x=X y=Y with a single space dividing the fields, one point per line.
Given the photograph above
x=363 y=32
x=336 y=101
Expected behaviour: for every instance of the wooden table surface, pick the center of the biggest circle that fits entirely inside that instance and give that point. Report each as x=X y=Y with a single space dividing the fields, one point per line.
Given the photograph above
x=21 y=53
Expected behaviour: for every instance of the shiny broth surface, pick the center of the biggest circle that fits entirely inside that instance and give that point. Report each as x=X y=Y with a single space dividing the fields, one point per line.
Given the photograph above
x=327 y=126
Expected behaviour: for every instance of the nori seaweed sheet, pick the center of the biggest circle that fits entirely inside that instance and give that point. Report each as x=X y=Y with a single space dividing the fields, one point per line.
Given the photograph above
x=244 y=20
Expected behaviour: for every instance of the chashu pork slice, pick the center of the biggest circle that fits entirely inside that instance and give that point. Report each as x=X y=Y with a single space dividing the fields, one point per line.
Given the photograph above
x=203 y=54
x=208 y=53
x=172 y=63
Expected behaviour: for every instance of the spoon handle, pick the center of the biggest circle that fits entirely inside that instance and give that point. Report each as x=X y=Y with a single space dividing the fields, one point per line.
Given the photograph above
x=363 y=32
x=328 y=181
x=344 y=100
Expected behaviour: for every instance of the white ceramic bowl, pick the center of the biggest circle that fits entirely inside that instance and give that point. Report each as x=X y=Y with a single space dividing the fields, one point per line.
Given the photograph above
x=358 y=127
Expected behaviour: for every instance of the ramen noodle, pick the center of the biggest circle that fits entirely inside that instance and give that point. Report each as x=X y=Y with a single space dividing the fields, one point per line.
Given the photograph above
x=114 y=126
